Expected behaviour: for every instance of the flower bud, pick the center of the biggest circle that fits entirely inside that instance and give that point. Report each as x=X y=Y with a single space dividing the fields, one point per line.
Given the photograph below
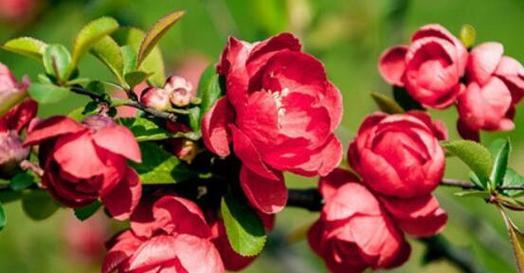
x=180 y=91
x=97 y=122
x=12 y=152
x=11 y=91
x=156 y=98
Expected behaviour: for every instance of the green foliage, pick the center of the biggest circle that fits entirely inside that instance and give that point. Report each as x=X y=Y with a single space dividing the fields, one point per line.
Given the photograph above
x=476 y=156
x=159 y=166
x=209 y=89
x=109 y=53
x=21 y=181
x=90 y=34
x=56 y=60
x=26 y=46
x=517 y=240
x=386 y=104
x=155 y=33
x=513 y=179
x=38 y=205
x=405 y=100
x=85 y=212
x=134 y=78
x=47 y=93
x=3 y=219
x=144 y=129
x=500 y=164
x=244 y=229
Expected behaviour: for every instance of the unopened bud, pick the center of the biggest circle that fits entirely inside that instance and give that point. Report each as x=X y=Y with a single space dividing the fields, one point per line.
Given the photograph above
x=97 y=122
x=180 y=91
x=12 y=152
x=186 y=150
x=156 y=98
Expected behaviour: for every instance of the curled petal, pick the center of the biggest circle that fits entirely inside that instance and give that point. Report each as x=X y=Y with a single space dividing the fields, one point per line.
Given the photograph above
x=118 y=140
x=215 y=132
x=52 y=127
x=124 y=197
x=266 y=195
x=329 y=184
x=484 y=60
x=392 y=65
x=179 y=215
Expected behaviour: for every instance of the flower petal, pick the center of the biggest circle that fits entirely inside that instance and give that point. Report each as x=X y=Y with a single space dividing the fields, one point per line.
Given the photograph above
x=124 y=197
x=119 y=140
x=215 y=132
x=392 y=65
x=484 y=60
x=52 y=127
x=267 y=195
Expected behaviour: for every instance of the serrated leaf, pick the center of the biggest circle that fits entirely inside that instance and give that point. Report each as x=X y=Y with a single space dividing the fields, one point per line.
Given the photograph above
x=109 y=53
x=517 y=240
x=135 y=77
x=38 y=204
x=512 y=178
x=47 y=93
x=244 y=229
x=145 y=130
x=129 y=39
x=209 y=89
x=386 y=104
x=56 y=60
x=403 y=99
x=468 y=35
x=90 y=34
x=26 y=46
x=160 y=167
x=85 y=212
x=21 y=181
x=476 y=156
x=155 y=33
x=500 y=164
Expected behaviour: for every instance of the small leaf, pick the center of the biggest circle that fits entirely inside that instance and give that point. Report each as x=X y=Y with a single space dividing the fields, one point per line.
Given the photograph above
x=9 y=101
x=56 y=60
x=38 y=204
x=476 y=156
x=517 y=240
x=3 y=219
x=21 y=181
x=155 y=33
x=129 y=58
x=26 y=46
x=474 y=178
x=109 y=53
x=47 y=93
x=159 y=166
x=90 y=34
x=386 y=104
x=475 y=193
x=209 y=89
x=512 y=178
x=85 y=212
x=136 y=77
x=500 y=164
x=244 y=229
x=145 y=130
x=194 y=118
x=405 y=100
x=80 y=113
x=468 y=35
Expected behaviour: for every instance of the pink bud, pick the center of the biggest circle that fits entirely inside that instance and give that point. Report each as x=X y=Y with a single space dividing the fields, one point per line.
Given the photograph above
x=11 y=152
x=180 y=91
x=156 y=98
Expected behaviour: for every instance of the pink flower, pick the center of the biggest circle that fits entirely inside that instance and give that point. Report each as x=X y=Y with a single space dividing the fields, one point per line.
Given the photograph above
x=429 y=68
x=86 y=161
x=175 y=238
x=354 y=231
x=279 y=112
x=156 y=98
x=180 y=91
x=495 y=86
x=399 y=155
x=17 y=10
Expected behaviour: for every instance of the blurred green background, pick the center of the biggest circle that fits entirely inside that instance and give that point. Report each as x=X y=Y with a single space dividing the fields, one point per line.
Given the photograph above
x=347 y=35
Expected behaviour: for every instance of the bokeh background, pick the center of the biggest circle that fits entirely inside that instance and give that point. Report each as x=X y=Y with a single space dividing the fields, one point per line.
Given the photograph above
x=347 y=35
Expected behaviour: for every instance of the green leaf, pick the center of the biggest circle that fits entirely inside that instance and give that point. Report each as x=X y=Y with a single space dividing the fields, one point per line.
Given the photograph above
x=11 y=100
x=38 y=204
x=81 y=113
x=468 y=35
x=405 y=100
x=194 y=118
x=386 y=104
x=145 y=130
x=26 y=46
x=517 y=240
x=155 y=33
x=159 y=166
x=56 y=60
x=474 y=178
x=209 y=89
x=244 y=229
x=476 y=156
x=85 y=212
x=512 y=178
x=90 y=34
x=3 y=219
x=135 y=77
x=21 y=181
x=47 y=93
x=500 y=165
x=109 y=53
x=129 y=58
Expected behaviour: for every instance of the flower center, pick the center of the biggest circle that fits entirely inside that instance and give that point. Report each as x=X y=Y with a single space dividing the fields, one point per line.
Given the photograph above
x=278 y=96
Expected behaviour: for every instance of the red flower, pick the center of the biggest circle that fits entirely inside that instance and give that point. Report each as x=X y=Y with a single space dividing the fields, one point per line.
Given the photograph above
x=174 y=239
x=495 y=86
x=399 y=155
x=354 y=232
x=429 y=68
x=279 y=112
x=232 y=260
x=86 y=161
